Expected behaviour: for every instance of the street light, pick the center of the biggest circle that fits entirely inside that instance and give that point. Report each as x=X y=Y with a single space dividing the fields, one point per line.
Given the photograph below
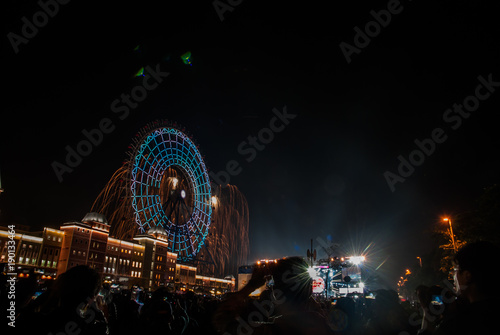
x=451 y=234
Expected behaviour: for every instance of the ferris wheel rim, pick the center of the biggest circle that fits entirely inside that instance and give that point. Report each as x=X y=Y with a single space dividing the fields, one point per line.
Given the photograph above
x=159 y=149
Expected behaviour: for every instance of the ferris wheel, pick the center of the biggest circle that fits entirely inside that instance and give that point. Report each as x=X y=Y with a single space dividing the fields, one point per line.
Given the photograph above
x=170 y=189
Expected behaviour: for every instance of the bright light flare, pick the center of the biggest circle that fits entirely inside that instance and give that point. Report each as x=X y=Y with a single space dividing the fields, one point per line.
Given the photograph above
x=356 y=260
x=312 y=272
x=214 y=200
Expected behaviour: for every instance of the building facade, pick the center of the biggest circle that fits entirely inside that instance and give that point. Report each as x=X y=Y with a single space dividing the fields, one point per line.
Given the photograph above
x=145 y=261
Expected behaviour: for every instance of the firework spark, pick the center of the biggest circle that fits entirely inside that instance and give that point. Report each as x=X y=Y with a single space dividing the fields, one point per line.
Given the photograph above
x=227 y=244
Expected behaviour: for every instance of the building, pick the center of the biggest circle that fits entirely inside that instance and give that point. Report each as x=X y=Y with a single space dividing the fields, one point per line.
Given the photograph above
x=145 y=261
x=141 y=262
x=124 y=263
x=215 y=286
x=159 y=263
x=34 y=250
x=185 y=276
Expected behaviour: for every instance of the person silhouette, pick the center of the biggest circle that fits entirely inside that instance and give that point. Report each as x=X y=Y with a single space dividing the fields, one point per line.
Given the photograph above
x=474 y=283
x=286 y=305
x=69 y=306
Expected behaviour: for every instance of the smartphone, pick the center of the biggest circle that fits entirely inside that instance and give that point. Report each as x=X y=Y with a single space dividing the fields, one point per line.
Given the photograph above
x=269 y=281
x=436 y=300
x=36 y=295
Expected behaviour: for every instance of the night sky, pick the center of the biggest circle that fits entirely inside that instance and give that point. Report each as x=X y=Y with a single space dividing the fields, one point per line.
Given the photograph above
x=322 y=175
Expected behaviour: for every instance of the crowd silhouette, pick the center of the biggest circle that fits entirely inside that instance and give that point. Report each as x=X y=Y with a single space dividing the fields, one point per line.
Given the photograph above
x=77 y=303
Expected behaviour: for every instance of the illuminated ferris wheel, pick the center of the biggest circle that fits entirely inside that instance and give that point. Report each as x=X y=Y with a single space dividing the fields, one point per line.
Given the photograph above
x=170 y=189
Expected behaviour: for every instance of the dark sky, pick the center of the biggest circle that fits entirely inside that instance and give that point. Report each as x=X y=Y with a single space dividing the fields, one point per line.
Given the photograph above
x=323 y=175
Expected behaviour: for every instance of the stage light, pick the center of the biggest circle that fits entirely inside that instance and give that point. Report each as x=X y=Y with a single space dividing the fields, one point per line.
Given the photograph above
x=311 y=272
x=356 y=260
